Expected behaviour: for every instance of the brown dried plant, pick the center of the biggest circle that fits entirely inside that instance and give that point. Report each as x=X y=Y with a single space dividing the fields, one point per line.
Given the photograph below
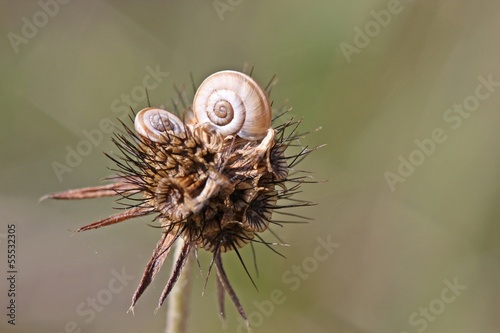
x=213 y=186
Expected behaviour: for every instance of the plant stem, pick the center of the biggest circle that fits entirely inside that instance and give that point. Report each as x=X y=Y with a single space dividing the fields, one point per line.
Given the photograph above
x=178 y=300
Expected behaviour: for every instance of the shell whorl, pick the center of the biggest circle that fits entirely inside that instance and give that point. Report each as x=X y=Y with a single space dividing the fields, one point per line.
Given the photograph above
x=155 y=124
x=234 y=104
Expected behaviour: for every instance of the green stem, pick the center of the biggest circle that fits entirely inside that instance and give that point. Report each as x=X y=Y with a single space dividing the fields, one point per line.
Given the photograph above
x=178 y=300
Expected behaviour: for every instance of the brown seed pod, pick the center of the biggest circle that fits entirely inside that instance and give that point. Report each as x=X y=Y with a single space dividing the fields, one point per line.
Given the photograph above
x=214 y=185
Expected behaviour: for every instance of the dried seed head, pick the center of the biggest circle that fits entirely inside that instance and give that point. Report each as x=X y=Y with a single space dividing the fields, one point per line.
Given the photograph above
x=216 y=190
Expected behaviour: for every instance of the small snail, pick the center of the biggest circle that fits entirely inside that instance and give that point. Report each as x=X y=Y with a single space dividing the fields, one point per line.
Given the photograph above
x=234 y=104
x=155 y=124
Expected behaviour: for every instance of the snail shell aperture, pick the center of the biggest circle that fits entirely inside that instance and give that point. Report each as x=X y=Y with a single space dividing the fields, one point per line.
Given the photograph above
x=234 y=104
x=155 y=124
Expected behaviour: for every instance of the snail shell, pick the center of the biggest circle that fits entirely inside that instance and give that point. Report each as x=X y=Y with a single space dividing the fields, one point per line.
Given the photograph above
x=234 y=104
x=156 y=124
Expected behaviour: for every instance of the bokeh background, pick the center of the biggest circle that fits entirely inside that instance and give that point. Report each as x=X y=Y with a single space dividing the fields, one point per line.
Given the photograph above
x=398 y=248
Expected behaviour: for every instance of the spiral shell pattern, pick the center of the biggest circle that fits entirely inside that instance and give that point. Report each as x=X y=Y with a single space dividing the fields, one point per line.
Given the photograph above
x=155 y=124
x=234 y=104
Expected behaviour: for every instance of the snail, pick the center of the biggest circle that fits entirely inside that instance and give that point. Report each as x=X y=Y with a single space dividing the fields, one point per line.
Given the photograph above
x=234 y=104
x=156 y=124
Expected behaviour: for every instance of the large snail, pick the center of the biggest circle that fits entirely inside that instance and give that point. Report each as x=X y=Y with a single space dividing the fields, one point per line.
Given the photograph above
x=156 y=124
x=234 y=104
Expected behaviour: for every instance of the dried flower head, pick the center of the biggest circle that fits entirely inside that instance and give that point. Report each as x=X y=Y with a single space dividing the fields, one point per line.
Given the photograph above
x=212 y=175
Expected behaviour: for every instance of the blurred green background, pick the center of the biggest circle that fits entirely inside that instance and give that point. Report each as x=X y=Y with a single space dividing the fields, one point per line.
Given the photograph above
x=399 y=247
